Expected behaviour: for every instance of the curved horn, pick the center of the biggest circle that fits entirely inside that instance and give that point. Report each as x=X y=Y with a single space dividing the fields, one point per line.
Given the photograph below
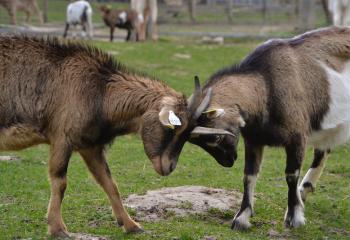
x=193 y=101
x=210 y=131
x=197 y=84
x=204 y=104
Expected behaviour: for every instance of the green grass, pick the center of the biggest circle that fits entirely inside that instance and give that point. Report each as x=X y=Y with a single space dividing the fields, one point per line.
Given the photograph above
x=24 y=189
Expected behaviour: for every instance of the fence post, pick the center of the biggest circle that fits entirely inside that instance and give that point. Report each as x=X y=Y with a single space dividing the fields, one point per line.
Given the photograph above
x=45 y=10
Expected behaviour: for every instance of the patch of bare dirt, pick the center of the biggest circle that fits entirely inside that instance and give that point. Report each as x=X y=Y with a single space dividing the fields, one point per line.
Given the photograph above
x=84 y=236
x=9 y=158
x=181 y=201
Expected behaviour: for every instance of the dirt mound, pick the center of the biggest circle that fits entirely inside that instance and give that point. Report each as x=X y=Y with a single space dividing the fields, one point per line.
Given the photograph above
x=181 y=201
x=84 y=236
x=9 y=158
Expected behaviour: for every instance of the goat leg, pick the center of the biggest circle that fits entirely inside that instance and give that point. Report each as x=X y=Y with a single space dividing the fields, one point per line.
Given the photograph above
x=66 y=30
x=253 y=158
x=96 y=162
x=58 y=164
x=294 y=216
x=308 y=184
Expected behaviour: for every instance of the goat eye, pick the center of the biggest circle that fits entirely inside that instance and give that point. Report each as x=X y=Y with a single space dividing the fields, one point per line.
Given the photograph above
x=218 y=138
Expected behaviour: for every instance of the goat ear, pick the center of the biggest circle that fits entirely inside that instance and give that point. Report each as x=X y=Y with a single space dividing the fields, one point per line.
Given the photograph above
x=214 y=113
x=241 y=121
x=168 y=118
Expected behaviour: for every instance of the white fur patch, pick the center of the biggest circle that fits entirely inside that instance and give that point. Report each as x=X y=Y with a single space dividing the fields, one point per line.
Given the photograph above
x=140 y=18
x=123 y=16
x=243 y=219
x=313 y=174
x=336 y=124
x=298 y=219
x=251 y=188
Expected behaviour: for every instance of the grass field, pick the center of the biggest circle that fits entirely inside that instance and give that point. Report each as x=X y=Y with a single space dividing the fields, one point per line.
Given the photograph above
x=24 y=189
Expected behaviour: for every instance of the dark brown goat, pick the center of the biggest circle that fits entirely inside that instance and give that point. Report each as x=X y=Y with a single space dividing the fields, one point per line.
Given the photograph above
x=123 y=19
x=286 y=93
x=76 y=98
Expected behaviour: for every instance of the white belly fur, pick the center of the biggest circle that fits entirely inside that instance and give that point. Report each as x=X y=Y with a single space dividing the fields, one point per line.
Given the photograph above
x=335 y=127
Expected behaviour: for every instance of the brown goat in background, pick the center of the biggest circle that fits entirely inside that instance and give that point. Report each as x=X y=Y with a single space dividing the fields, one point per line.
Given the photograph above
x=76 y=98
x=27 y=6
x=123 y=19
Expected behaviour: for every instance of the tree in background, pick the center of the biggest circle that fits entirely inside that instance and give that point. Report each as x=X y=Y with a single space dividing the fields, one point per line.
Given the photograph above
x=306 y=14
x=327 y=13
x=229 y=6
x=45 y=10
x=192 y=10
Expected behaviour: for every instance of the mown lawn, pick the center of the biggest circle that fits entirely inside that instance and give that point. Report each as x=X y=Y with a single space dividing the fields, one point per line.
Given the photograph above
x=24 y=189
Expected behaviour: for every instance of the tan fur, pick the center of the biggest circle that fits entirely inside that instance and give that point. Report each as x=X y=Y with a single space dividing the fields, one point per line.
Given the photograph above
x=289 y=92
x=27 y=6
x=76 y=98
x=19 y=137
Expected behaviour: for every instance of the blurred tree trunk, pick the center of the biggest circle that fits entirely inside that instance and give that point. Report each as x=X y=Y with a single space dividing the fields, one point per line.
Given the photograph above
x=306 y=15
x=264 y=10
x=229 y=6
x=192 y=10
x=45 y=10
x=327 y=13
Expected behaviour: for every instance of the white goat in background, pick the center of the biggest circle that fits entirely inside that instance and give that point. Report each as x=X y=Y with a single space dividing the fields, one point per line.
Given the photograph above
x=340 y=10
x=79 y=13
x=149 y=9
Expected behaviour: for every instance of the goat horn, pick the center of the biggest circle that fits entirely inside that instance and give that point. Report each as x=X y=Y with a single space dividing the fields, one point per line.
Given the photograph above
x=204 y=104
x=210 y=131
x=193 y=101
x=197 y=84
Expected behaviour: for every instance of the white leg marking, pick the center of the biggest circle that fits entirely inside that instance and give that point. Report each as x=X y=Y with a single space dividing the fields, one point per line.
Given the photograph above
x=298 y=219
x=312 y=176
x=251 y=188
x=242 y=221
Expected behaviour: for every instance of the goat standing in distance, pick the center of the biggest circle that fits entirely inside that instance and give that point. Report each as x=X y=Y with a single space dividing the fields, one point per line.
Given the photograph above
x=340 y=11
x=76 y=98
x=286 y=93
x=79 y=13
x=123 y=19
x=149 y=10
x=27 y=6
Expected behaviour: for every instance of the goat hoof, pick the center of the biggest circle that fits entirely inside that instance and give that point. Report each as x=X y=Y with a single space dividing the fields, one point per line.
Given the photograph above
x=61 y=235
x=134 y=229
x=240 y=225
x=120 y=222
x=294 y=222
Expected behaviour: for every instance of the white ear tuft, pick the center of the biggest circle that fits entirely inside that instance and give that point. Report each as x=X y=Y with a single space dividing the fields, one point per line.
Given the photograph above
x=241 y=121
x=214 y=113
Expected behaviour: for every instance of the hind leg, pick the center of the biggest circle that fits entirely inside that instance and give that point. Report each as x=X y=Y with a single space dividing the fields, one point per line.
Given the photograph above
x=66 y=30
x=58 y=164
x=313 y=174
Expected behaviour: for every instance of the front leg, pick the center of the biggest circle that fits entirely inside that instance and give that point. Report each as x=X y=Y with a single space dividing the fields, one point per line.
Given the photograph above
x=97 y=164
x=253 y=158
x=294 y=216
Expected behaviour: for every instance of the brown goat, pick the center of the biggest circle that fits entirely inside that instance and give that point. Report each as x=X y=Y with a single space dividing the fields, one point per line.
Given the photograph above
x=286 y=93
x=27 y=6
x=77 y=98
x=123 y=19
